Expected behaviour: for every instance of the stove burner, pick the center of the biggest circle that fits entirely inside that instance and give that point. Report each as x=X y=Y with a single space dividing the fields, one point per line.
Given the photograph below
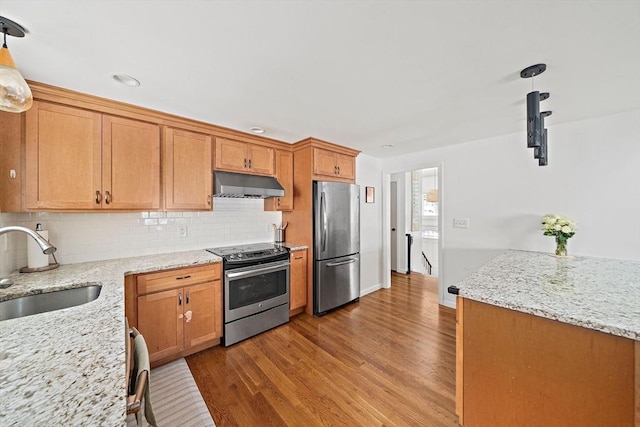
x=252 y=252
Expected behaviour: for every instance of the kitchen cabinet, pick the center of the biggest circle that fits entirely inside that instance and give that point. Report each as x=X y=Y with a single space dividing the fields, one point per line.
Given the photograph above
x=244 y=157
x=78 y=159
x=284 y=175
x=179 y=312
x=331 y=164
x=298 y=281
x=517 y=369
x=300 y=220
x=187 y=166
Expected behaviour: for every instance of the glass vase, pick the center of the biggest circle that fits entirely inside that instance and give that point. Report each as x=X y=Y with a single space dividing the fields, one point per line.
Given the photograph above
x=561 y=246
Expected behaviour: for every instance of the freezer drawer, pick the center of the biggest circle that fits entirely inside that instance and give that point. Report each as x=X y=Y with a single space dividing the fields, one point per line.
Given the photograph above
x=336 y=282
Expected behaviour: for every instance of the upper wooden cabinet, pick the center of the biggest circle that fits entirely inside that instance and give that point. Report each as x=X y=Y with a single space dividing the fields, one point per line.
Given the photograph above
x=83 y=160
x=187 y=167
x=284 y=175
x=327 y=163
x=244 y=157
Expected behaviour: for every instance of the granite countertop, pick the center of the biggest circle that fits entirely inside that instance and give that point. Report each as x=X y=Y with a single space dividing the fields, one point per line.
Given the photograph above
x=295 y=246
x=596 y=293
x=67 y=367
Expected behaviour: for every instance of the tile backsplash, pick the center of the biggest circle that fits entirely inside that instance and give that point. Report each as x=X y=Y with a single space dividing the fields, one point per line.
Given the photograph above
x=82 y=237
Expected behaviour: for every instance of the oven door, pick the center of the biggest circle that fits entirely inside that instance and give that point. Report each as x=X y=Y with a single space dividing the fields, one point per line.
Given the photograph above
x=250 y=290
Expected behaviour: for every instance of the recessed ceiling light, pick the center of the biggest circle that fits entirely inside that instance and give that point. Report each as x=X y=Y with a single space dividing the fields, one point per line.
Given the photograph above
x=256 y=129
x=385 y=146
x=126 y=80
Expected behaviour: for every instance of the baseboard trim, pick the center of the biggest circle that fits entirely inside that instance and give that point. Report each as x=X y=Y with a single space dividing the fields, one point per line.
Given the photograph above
x=370 y=289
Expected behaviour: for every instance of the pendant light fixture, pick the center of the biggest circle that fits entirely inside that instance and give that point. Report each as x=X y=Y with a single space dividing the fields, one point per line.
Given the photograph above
x=536 y=132
x=15 y=95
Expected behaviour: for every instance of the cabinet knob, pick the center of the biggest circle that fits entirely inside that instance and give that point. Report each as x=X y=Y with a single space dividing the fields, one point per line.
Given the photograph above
x=338 y=169
x=98 y=197
x=245 y=163
x=209 y=200
x=249 y=163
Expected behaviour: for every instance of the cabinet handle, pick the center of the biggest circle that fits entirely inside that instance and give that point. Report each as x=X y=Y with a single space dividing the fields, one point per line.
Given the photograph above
x=180 y=299
x=298 y=257
x=338 y=170
x=107 y=197
x=278 y=201
x=249 y=163
x=209 y=200
x=187 y=297
x=183 y=277
x=98 y=197
x=335 y=170
x=245 y=163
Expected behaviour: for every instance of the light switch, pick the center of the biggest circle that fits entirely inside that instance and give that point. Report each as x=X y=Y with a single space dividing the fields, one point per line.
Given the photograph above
x=461 y=222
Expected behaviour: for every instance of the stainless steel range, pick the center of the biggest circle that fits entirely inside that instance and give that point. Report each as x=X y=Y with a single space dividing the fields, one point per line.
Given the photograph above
x=256 y=289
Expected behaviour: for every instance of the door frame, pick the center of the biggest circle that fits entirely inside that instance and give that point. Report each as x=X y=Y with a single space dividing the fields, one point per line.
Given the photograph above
x=386 y=227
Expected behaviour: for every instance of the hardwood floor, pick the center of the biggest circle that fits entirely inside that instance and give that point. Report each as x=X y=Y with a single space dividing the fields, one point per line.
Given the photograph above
x=386 y=360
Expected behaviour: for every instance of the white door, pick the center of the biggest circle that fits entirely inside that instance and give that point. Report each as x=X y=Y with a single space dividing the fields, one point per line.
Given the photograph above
x=394 y=226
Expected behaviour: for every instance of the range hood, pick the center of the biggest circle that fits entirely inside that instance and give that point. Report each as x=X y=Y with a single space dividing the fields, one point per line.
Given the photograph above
x=240 y=185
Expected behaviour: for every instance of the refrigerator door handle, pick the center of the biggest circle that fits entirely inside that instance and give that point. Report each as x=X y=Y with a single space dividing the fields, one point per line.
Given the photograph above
x=323 y=216
x=335 y=264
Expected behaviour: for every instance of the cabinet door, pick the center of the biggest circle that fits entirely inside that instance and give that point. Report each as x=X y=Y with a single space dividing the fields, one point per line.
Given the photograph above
x=187 y=170
x=160 y=321
x=261 y=160
x=63 y=157
x=130 y=164
x=284 y=175
x=324 y=162
x=298 y=280
x=346 y=166
x=202 y=313
x=231 y=155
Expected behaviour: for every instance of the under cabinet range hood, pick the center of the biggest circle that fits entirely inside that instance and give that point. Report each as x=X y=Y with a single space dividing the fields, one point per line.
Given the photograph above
x=240 y=185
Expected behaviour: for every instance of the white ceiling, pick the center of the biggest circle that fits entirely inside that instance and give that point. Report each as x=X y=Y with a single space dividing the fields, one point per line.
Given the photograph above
x=414 y=74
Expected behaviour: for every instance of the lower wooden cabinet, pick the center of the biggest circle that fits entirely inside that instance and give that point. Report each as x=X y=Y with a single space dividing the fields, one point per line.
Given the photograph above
x=298 y=281
x=517 y=369
x=179 y=312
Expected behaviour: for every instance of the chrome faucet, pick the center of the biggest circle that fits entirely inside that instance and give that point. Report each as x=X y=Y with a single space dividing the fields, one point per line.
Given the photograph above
x=47 y=248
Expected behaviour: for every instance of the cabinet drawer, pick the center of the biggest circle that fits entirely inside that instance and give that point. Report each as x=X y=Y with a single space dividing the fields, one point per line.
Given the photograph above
x=169 y=279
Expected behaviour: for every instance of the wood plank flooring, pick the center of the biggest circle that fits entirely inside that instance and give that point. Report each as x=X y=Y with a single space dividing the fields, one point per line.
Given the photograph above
x=388 y=360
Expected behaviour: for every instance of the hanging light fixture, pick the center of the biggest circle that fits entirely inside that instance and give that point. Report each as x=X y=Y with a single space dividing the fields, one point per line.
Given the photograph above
x=15 y=95
x=536 y=133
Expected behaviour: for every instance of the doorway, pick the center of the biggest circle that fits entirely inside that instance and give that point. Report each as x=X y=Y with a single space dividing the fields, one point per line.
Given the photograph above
x=419 y=206
x=394 y=226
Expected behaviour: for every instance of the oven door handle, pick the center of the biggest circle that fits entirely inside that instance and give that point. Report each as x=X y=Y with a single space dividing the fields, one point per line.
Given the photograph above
x=255 y=271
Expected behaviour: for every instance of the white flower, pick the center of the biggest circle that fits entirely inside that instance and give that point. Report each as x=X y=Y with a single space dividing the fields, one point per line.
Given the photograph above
x=557 y=227
x=546 y=226
x=566 y=229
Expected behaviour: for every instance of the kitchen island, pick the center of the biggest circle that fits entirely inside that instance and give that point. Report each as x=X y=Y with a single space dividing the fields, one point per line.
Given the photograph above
x=67 y=367
x=546 y=340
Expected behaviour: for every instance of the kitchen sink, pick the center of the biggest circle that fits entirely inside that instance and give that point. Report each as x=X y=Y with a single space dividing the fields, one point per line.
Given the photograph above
x=49 y=301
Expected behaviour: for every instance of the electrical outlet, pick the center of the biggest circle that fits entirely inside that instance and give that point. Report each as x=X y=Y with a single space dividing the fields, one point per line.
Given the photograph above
x=182 y=231
x=461 y=222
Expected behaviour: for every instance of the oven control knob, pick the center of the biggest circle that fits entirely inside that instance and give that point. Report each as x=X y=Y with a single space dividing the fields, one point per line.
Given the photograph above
x=239 y=255
x=232 y=256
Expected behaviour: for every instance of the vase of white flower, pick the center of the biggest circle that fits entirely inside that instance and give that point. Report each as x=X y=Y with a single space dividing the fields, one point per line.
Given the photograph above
x=562 y=228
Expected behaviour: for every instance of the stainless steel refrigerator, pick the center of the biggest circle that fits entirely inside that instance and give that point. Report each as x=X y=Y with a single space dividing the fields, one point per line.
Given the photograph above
x=336 y=245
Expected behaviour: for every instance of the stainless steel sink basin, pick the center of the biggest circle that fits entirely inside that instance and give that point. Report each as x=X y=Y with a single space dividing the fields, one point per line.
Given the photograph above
x=50 y=301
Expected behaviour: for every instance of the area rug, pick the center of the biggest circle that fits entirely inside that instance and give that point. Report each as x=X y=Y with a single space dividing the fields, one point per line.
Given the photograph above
x=175 y=398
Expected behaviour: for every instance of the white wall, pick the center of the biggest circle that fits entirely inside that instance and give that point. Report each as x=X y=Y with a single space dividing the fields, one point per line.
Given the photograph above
x=593 y=177
x=369 y=174
x=82 y=237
